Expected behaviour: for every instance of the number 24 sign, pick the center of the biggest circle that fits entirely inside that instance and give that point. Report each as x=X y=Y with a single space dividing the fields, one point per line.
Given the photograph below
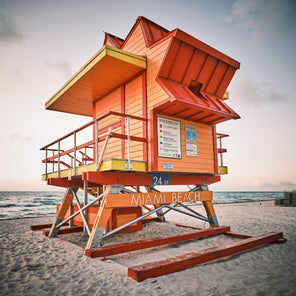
x=160 y=179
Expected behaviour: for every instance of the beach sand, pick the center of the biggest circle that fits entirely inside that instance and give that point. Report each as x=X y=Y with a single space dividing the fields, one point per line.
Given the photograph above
x=32 y=264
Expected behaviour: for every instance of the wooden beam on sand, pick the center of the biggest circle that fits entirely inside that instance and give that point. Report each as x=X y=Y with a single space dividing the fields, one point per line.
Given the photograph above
x=37 y=227
x=65 y=230
x=153 y=242
x=163 y=267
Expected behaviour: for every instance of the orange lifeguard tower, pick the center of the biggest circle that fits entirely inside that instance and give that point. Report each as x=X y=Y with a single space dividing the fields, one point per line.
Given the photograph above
x=155 y=99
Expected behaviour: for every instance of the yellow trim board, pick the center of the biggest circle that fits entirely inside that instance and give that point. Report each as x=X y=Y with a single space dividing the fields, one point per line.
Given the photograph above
x=107 y=165
x=223 y=170
x=106 y=50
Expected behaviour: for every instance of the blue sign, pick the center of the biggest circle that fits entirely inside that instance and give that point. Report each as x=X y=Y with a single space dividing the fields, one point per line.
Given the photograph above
x=160 y=179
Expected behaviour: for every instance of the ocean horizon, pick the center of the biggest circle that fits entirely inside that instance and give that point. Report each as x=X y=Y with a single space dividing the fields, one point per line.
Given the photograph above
x=25 y=204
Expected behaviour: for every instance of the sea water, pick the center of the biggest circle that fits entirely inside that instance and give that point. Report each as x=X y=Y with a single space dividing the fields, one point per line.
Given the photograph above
x=22 y=204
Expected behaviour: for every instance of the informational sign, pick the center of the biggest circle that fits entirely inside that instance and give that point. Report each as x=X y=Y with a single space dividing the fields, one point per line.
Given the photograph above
x=191 y=142
x=169 y=138
x=168 y=166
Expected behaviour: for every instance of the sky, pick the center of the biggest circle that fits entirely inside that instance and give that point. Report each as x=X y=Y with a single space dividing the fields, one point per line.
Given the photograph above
x=44 y=42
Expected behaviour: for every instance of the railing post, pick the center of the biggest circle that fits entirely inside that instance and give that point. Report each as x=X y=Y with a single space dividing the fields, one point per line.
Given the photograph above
x=75 y=154
x=53 y=161
x=85 y=185
x=46 y=163
x=97 y=143
x=104 y=148
x=128 y=143
x=59 y=148
x=221 y=157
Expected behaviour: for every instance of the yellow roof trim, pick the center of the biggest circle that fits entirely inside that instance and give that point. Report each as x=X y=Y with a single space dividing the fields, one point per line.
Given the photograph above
x=106 y=50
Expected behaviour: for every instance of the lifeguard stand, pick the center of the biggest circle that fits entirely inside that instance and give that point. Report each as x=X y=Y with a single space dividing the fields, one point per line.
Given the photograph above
x=155 y=99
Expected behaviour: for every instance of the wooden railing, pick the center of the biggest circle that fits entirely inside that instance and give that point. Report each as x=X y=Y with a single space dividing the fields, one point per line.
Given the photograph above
x=92 y=145
x=220 y=149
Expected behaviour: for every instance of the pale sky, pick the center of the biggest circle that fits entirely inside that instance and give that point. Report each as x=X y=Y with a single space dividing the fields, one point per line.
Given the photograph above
x=43 y=43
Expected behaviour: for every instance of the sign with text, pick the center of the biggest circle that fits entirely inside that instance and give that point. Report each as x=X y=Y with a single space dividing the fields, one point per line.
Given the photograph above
x=191 y=141
x=152 y=198
x=169 y=137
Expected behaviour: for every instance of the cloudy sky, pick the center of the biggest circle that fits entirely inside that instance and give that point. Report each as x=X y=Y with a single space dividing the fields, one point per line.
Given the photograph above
x=43 y=43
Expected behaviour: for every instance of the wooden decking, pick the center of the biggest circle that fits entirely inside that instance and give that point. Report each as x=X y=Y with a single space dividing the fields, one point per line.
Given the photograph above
x=107 y=165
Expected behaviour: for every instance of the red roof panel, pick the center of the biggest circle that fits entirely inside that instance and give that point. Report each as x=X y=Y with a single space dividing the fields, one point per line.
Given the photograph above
x=188 y=59
x=184 y=62
x=152 y=31
x=182 y=103
x=114 y=40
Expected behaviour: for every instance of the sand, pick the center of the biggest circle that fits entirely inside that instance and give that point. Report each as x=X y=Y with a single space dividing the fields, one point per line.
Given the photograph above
x=35 y=265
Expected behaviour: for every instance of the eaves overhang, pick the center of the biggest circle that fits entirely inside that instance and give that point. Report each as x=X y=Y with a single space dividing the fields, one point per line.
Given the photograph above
x=109 y=68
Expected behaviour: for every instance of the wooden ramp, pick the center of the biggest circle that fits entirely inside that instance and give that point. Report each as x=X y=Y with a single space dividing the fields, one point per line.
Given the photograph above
x=167 y=266
x=178 y=263
x=153 y=242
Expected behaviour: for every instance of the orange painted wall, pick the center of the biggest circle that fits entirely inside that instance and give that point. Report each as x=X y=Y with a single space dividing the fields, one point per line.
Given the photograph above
x=102 y=106
x=204 y=161
x=134 y=106
x=155 y=94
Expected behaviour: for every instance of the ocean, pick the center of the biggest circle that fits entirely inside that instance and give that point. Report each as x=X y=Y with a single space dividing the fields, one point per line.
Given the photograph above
x=23 y=204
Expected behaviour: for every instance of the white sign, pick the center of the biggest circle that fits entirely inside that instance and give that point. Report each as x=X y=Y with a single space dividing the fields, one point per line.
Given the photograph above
x=168 y=166
x=191 y=142
x=169 y=137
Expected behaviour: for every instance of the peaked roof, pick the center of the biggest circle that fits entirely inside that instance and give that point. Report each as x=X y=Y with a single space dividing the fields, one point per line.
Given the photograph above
x=186 y=62
x=152 y=33
x=105 y=71
x=114 y=40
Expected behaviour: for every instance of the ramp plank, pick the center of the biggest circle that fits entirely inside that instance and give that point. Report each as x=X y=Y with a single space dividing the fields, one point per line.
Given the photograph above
x=153 y=242
x=158 y=268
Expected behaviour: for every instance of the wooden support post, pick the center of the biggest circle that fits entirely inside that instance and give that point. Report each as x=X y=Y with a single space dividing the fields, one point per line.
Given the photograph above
x=155 y=269
x=211 y=212
x=66 y=202
x=100 y=223
x=160 y=213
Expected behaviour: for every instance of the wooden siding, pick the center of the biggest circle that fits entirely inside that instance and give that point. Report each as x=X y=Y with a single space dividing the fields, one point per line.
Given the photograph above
x=133 y=98
x=134 y=106
x=204 y=161
x=185 y=62
x=155 y=55
x=111 y=102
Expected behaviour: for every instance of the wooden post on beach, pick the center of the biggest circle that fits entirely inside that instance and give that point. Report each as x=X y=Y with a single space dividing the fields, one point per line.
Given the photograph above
x=65 y=205
x=101 y=220
x=208 y=205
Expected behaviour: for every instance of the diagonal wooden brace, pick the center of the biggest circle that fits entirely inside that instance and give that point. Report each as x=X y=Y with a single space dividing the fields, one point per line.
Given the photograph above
x=66 y=202
x=101 y=220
